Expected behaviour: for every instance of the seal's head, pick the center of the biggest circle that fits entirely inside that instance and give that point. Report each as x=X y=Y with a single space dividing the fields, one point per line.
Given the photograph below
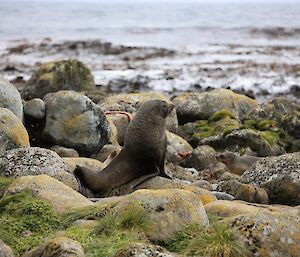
x=226 y=157
x=158 y=107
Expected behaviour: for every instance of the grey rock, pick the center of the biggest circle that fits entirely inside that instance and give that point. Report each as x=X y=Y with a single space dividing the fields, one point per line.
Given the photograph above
x=35 y=109
x=5 y=250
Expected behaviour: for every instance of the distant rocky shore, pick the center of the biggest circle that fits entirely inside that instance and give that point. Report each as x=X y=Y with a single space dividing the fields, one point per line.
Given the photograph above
x=245 y=205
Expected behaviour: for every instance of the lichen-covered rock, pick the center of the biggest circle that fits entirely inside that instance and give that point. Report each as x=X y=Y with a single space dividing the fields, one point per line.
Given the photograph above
x=131 y=102
x=202 y=157
x=269 y=235
x=35 y=109
x=291 y=123
x=143 y=250
x=57 y=247
x=225 y=209
x=62 y=75
x=179 y=172
x=177 y=148
x=83 y=162
x=279 y=176
x=5 y=250
x=165 y=218
x=64 y=151
x=200 y=106
x=74 y=121
x=12 y=131
x=36 y=161
x=61 y=197
x=10 y=98
x=157 y=182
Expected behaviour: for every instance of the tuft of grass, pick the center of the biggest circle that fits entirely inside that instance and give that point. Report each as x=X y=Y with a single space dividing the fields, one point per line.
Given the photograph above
x=250 y=123
x=4 y=184
x=114 y=231
x=221 y=114
x=270 y=136
x=219 y=240
x=203 y=129
x=25 y=221
x=266 y=124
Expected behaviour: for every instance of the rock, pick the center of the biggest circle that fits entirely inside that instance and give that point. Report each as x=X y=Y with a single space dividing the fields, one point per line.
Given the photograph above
x=202 y=184
x=223 y=196
x=83 y=162
x=12 y=132
x=143 y=250
x=10 y=98
x=106 y=151
x=74 y=121
x=202 y=157
x=245 y=192
x=165 y=218
x=225 y=209
x=64 y=152
x=131 y=102
x=163 y=183
x=200 y=106
x=35 y=109
x=269 y=235
x=62 y=75
x=291 y=123
x=61 y=197
x=279 y=176
x=177 y=148
x=5 y=250
x=57 y=247
x=36 y=161
x=176 y=171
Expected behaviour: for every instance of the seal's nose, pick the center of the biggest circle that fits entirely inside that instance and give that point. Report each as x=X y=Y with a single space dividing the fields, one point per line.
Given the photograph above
x=171 y=107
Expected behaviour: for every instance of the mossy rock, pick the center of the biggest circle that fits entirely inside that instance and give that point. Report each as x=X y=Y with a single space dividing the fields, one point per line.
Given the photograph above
x=61 y=75
x=221 y=114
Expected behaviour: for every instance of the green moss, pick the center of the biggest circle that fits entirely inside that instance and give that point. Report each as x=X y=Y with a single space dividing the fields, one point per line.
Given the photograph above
x=219 y=240
x=250 y=123
x=21 y=214
x=114 y=231
x=4 y=183
x=221 y=114
x=266 y=124
x=203 y=129
x=270 y=136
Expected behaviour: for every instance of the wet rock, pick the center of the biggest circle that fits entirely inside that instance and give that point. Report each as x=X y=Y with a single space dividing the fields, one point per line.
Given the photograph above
x=10 y=98
x=64 y=151
x=202 y=157
x=143 y=249
x=279 y=176
x=131 y=102
x=61 y=197
x=62 y=75
x=74 y=121
x=200 y=106
x=5 y=250
x=35 y=161
x=57 y=247
x=35 y=109
x=12 y=132
x=269 y=235
x=177 y=148
x=164 y=215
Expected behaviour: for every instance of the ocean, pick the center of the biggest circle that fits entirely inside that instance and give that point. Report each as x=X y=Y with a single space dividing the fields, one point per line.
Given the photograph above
x=252 y=46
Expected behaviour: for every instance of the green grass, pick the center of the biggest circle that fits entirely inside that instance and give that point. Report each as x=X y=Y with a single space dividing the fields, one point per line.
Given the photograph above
x=114 y=231
x=219 y=240
x=221 y=114
x=270 y=136
x=4 y=183
x=22 y=214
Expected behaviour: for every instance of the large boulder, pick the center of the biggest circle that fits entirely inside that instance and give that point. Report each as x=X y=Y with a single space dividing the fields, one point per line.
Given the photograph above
x=57 y=247
x=62 y=75
x=131 y=102
x=62 y=198
x=279 y=176
x=269 y=234
x=35 y=161
x=165 y=218
x=74 y=121
x=200 y=106
x=12 y=131
x=10 y=98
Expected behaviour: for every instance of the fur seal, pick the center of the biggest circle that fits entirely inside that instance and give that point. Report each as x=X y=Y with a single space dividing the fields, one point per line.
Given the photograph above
x=143 y=153
x=235 y=163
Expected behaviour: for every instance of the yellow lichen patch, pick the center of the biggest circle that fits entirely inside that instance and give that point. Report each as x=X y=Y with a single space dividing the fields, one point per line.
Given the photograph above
x=82 y=161
x=12 y=127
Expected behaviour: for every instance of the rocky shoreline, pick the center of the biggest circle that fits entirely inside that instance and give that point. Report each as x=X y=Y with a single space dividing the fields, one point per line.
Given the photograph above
x=217 y=204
